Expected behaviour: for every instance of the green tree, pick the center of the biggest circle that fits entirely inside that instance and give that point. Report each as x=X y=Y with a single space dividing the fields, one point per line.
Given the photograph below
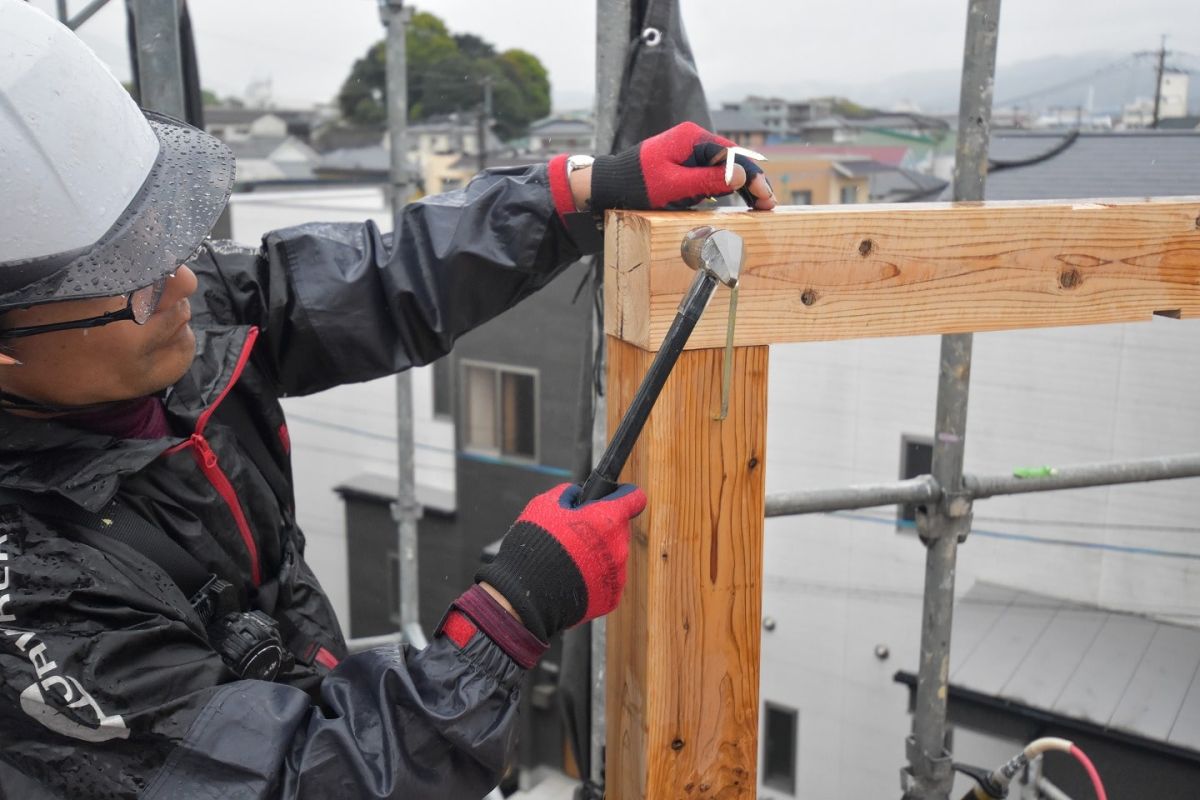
x=446 y=73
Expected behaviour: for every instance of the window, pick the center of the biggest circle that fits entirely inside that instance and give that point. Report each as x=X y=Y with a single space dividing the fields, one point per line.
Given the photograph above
x=779 y=748
x=500 y=410
x=916 y=458
x=849 y=194
x=443 y=390
x=802 y=198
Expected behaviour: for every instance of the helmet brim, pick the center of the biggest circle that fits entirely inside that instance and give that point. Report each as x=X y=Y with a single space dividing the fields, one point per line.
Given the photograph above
x=167 y=220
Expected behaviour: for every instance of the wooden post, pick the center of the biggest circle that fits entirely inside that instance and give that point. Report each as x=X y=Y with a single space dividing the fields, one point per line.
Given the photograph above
x=683 y=648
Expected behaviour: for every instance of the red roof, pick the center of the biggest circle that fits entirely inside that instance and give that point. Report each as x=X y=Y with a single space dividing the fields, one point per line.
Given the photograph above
x=891 y=156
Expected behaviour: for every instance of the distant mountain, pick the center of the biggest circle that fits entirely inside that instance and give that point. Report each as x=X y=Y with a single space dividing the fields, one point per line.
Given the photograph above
x=1114 y=78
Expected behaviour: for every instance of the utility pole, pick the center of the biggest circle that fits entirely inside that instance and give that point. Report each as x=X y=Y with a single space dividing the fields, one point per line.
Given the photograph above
x=406 y=511
x=484 y=119
x=930 y=773
x=1158 y=81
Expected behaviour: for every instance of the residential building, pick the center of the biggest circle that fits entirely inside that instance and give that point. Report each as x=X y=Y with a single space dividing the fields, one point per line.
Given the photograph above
x=562 y=134
x=781 y=118
x=231 y=123
x=813 y=179
x=1173 y=102
x=449 y=133
x=368 y=164
x=843 y=129
x=272 y=158
x=739 y=127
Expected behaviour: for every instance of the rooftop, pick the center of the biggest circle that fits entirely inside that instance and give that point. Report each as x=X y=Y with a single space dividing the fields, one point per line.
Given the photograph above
x=730 y=119
x=1100 y=164
x=1118 y=671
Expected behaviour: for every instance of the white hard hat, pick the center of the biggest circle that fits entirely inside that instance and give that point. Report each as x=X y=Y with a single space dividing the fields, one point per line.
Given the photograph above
x=98 y=197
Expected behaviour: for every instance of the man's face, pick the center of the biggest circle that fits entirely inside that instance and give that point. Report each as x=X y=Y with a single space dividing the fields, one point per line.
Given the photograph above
x=119 y=361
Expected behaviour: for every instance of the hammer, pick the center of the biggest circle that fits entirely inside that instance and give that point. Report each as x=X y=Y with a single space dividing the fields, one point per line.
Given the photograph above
x=716 y=255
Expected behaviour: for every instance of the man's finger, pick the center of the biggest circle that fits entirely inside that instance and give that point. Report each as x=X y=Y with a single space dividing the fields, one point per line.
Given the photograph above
x=764 y=197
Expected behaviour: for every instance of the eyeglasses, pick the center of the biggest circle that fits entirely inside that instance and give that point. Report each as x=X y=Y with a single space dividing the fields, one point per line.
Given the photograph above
x=139 y=307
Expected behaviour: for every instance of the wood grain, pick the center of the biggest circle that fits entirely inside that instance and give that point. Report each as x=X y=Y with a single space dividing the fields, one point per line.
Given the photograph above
x=840 y=272
x=684 y=646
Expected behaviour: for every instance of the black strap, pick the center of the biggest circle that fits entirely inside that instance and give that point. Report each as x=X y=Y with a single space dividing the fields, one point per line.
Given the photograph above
x=120 y=523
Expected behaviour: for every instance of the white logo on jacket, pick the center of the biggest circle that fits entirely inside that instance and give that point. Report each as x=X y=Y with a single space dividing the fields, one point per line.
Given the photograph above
x=46 y=698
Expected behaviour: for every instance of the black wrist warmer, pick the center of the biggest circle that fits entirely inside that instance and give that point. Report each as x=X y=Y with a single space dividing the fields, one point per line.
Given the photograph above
x=618 y=182
x=556 y=599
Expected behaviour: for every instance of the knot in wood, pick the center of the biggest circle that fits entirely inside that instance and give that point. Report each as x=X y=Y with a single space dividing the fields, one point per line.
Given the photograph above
x=677 y=744
x=1069 y=278
x=808 y=297
x=865 y=247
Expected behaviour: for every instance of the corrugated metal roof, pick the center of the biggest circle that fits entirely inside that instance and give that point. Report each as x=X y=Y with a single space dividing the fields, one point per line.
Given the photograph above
x=1112 y=669
x=1126 y=164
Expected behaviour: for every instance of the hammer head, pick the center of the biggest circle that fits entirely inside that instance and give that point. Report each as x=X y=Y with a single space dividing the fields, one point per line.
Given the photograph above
x=715 y=251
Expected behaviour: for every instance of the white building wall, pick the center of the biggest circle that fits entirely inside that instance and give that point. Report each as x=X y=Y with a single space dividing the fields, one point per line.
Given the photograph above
x=349 y=430
x=838 y=585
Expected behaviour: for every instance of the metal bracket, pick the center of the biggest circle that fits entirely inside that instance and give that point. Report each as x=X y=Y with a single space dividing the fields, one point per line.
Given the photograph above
x=402 y=512
x=952 y=516
x=727 y=366
x=940 y=770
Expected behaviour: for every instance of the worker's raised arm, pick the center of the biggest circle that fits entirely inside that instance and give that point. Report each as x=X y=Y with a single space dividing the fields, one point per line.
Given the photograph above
x=342 y=302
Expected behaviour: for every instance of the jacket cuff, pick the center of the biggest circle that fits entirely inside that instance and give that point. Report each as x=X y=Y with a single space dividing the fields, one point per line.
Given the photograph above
x=584 y=227
x=476 y=611
x=560 y=187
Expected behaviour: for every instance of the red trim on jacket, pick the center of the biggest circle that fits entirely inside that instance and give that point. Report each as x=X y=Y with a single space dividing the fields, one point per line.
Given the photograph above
x=211 y=468
x=325 y=658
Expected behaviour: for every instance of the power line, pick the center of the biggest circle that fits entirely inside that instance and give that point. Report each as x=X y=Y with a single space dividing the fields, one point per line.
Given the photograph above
x=1121 y=63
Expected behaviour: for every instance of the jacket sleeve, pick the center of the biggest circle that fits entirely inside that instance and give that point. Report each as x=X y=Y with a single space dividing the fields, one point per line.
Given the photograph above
x=341 y=302
x=110 y=691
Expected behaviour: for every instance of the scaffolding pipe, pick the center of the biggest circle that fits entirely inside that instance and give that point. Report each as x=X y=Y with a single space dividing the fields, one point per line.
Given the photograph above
x=924 y=489
x=159 y=56
x=406 y=511
x=1109 y=473
x=930 y=775
x=85 y=13
x=614 y=22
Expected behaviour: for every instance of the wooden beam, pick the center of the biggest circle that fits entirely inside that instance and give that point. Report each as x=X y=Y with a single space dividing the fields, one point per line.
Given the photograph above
x=840 y=272
x=683 y=647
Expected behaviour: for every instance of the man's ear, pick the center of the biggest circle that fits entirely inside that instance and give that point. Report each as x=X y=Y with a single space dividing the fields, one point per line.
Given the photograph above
x=7 y=361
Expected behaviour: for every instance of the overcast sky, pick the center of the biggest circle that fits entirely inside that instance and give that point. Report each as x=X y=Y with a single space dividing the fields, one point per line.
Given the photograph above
x=306 y=47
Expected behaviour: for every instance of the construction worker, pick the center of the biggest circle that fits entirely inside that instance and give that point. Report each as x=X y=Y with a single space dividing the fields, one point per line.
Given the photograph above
x=161 y=635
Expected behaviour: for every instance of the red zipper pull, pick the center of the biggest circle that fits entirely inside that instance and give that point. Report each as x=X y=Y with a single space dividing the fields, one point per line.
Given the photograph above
x=206 y=452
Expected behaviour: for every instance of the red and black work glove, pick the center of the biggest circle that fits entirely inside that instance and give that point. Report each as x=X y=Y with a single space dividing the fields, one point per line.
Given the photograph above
x=560 y=564
x=671 y=170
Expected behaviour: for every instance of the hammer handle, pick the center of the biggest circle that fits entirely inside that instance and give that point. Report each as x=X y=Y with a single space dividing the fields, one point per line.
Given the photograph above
x=604 y=478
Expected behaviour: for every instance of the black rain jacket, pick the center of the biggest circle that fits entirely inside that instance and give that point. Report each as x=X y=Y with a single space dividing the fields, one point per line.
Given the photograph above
x=109 y=686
